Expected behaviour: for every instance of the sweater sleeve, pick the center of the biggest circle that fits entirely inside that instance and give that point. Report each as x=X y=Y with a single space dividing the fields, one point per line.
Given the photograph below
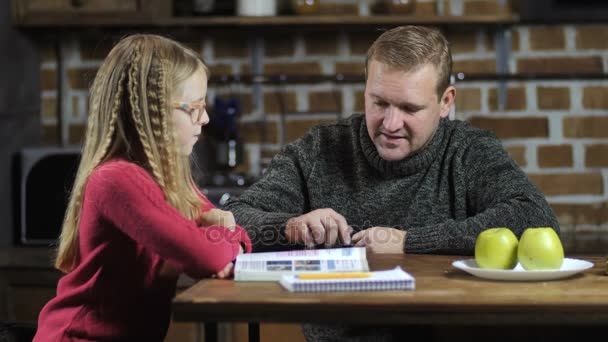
x=498 y=194
x=264 y=209
x=129 y=198
x=239 y=233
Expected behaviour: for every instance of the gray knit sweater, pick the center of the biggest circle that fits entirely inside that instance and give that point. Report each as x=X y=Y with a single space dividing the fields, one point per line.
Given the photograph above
x=461 y=183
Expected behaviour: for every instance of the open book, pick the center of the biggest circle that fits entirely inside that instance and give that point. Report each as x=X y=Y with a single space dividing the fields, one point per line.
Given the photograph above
x=271 y=266
x=395 y=279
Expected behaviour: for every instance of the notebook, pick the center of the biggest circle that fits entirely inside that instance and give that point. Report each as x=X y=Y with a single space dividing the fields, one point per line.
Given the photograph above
x=395 y=279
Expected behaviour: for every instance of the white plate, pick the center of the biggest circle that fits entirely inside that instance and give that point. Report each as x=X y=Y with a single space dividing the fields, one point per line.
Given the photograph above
x=569 y=267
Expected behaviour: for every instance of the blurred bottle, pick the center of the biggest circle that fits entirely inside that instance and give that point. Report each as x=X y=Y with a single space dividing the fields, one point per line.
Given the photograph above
x=306 y=7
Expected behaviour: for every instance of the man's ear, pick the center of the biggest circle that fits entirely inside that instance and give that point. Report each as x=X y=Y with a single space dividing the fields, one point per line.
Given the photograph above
x=447 y=99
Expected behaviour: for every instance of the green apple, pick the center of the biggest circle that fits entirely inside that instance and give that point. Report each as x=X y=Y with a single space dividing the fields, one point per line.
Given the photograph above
x=540 y=249
x=496 y=248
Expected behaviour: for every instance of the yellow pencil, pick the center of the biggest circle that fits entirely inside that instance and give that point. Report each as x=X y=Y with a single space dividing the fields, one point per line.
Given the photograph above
x=335 y=275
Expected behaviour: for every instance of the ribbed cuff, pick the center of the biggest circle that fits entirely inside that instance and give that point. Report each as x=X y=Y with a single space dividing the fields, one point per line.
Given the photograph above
x=425 y=239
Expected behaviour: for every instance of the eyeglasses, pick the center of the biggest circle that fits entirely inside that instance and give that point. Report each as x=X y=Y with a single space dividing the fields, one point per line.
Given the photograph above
x=195 y=109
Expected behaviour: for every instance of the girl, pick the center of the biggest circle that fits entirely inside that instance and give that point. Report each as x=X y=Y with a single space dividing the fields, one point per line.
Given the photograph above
x=135 y=219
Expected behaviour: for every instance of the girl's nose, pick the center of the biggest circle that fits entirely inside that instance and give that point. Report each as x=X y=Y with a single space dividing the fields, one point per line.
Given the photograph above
x=204 y=118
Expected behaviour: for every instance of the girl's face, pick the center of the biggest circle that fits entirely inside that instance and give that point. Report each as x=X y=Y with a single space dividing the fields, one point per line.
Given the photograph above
x=189 y=113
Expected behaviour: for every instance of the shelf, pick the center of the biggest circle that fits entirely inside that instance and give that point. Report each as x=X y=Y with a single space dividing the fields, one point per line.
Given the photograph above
x=79 y=20
x=349 y=78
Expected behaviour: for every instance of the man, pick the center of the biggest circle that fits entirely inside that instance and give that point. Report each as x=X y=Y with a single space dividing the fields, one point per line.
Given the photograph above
x=402 y=178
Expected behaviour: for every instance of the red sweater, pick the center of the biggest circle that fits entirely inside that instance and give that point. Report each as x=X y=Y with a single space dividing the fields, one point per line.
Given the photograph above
x=127 y=231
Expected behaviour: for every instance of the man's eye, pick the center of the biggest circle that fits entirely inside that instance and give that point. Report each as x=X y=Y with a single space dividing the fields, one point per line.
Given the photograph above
x=381 y=104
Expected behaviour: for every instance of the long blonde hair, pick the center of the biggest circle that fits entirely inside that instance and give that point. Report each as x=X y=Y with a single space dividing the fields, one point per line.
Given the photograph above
x=130 y=118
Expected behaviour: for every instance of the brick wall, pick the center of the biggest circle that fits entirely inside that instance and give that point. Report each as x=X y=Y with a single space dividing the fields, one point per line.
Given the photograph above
x=556 y=130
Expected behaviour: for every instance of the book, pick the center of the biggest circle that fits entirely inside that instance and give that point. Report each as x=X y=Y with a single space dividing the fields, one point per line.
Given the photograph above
x=395 y=279
x=272 y=265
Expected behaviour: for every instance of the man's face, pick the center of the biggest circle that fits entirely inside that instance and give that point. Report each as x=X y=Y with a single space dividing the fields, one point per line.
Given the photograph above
x=402 y=110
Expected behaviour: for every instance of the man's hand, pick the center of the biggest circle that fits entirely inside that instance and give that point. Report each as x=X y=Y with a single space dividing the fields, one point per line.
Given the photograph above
x=217 y=217
x=321 y=226
x=381 y=240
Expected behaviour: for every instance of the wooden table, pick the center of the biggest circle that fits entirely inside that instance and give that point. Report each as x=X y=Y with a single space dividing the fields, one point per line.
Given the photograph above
x=443 y=294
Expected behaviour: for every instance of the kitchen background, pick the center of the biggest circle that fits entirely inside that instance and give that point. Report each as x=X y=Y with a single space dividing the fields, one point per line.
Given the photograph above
x=556 y=129
x=551 y=110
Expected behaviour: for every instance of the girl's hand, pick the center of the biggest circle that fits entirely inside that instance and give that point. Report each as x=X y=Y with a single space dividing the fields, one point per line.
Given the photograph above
x=217 y=217
x=226 y=272
x=166 y=271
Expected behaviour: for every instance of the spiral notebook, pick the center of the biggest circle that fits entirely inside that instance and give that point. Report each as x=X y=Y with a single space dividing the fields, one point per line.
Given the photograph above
x=395 y=279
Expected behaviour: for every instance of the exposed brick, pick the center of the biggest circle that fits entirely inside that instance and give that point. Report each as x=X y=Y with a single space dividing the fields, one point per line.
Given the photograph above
x=586 y=127
x=245 y=69
x=596 y=155
x=253 y=132
x=338 y=9
x=76 y=107
x=351 y=68
x=95 y=48
x=554 y=156
x=76 y=134
x=245 y=165
x=277 y=45
x=268 y=153
x=468 y=99
x=359 y=106
x=462 y=41
x=246 y=100
x=81 y=78
x=48 y=80
x=482 y=7
x=560 y=64
x=514 y=41
x=505 y=128
x=228 y=44
x=321 y=43
x=518 y=153
x=516 y=99
x=569 y=183
x=477 y=66
x=592 y=37
x=266 y=156
x=595 y=97
x=48 y=108
x=279 y=102
x=49 y=135
x=361 y=41
x=547 y=38
x=297 y=128
x=553 y=97
x=581 y=214
x=303 y=68
x=325 y=101
x=220 y=69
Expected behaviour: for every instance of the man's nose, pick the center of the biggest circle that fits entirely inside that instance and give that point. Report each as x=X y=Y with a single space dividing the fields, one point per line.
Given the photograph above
x=392 y=121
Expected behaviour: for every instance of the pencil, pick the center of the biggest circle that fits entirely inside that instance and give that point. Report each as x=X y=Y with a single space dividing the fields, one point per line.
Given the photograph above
x=335 y=275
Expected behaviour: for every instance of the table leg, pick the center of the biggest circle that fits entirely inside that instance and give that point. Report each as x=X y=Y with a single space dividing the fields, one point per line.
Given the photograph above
x=210 y=332
x=254 y=332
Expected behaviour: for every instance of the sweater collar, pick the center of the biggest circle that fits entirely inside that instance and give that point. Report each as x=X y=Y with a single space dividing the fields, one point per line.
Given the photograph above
x=405 y=167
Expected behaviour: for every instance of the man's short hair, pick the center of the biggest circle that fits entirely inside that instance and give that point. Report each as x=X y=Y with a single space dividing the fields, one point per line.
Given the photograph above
x=409 y=47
